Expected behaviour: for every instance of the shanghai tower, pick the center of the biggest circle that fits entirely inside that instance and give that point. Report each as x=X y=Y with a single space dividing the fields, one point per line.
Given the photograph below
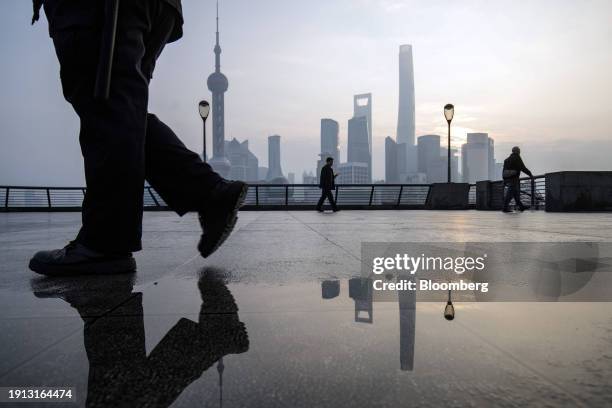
x=405 y=116
x=218 y=84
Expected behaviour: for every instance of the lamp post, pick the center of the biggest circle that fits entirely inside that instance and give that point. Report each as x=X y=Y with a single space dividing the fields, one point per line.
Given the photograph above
x=449 y=112
x=204 y=109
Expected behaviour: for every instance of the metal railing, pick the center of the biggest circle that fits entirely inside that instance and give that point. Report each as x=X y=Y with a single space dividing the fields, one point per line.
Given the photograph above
x=348 y=196
x=533 y=192
x=22 y=198
x=272 y=196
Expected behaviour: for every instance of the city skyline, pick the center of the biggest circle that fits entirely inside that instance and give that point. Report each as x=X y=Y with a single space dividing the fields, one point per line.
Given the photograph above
x=507 y=83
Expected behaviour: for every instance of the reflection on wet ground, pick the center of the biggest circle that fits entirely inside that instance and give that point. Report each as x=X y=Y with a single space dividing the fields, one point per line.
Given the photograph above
x=250 y=329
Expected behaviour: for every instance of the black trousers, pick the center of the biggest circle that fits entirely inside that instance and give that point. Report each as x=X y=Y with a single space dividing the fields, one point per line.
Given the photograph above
x=123 y=144
x=330 y=197
x=513 y=191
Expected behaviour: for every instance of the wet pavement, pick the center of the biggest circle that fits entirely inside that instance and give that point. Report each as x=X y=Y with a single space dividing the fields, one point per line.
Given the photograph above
x=272 y=319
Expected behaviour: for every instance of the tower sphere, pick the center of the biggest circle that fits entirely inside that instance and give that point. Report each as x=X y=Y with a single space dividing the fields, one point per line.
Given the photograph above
x=217 y=82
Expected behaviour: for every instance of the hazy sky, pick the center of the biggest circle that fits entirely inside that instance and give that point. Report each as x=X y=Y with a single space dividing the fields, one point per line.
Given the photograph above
x=534 y=73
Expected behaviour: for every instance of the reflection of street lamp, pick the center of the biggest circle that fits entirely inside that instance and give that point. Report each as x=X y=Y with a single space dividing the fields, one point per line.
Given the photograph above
x=449 y=310
x=449 y=112
x=204 y=109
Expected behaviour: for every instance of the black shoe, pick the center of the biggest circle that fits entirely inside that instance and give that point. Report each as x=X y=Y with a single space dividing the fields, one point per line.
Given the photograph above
x=76 y=259
x=320 y=210
x=506 y=210
x=336 y=210
x=220 y=216
x=521 y=208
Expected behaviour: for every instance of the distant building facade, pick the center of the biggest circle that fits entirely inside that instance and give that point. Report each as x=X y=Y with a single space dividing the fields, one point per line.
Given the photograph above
x=477 y=158
x=455 y=173
x=274 y=158
x=395 y=161
x=358 y=147
x=353 y=173
x=330 y=145
x=244 y=164
x=430 y=162
x=262 y=173
x=309 y=178
x=362 y=107
x=406 y=115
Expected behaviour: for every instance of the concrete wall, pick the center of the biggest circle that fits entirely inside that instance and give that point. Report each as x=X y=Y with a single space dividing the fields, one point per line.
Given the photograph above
x=448 y=196
x=568 y=191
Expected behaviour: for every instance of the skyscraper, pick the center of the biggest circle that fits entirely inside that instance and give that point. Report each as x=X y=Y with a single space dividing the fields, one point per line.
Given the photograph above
x=405 y=116
x=218 y=84
x=329 y=139
x=395 y=161
x=477 y=160
x=430 y=162
x=274 y=158
x=362 y=107
x=244 y=162
x=352 y=173
x=358 y=146
x=391 y=173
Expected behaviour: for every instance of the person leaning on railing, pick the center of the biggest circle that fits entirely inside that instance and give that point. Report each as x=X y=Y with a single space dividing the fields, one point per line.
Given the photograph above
x=513 y=166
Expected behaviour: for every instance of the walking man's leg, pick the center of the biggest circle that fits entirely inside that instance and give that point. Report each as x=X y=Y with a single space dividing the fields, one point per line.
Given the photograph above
x=178 y=174
x=113 y=142
x=330 y=197
x=321 y=201
x=112 y=137
x=508 y=196
x=516 y=193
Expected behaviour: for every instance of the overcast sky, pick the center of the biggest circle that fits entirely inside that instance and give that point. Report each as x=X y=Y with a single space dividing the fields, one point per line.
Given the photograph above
x=534 y=73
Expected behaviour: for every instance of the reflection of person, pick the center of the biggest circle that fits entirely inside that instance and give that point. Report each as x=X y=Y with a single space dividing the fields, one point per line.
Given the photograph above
x=120 y=372
x=327 y=184
x=122 y=144
x=513 y=166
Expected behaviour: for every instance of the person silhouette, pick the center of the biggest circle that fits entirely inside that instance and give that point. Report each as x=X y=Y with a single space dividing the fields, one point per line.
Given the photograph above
x=327 y=185
x=513 y=166
x=122 y=143
x=120 y=372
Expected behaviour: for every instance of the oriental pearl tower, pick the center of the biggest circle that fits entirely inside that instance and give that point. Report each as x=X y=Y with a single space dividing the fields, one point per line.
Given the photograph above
x=217 y=84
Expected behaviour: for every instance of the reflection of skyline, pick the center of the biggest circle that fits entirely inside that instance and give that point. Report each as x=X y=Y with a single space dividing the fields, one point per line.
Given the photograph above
x=407 y=327
x=120 y=372
x=360 y=290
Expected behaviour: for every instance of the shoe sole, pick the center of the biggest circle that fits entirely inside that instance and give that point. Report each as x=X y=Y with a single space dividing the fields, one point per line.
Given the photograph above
x=230 y=223
x=92 y=268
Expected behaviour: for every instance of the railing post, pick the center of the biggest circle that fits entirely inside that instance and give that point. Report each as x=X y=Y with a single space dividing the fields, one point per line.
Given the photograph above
x=286 y=194
x=399 y=197
x=6 y=198
x=48 y=198
x=257 y=195
x=371 y=196
x=336 y=198
x=533 y=197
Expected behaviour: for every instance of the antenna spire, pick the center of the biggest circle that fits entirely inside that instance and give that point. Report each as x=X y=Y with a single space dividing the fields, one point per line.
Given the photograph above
x=217 y=46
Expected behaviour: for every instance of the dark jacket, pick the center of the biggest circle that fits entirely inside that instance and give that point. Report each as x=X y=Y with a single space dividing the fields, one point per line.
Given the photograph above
x=326 y=181
x=69 y=14
x=514 y=162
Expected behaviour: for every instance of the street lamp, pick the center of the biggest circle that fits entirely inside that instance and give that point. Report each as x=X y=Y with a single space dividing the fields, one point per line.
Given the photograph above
x=449 y=112
x=204 y=109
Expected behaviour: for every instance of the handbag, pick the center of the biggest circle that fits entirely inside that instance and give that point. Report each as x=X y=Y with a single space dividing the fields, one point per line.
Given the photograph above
x=509 y=173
